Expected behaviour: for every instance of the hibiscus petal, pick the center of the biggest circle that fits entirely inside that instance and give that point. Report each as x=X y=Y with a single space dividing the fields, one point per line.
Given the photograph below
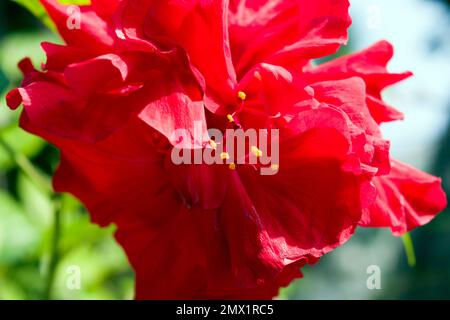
x=97 y=96
x=93 y=33
x=96 y=74
x=308 y=208
x=349 y=96
x=370 y=65
x=114 y=176
x=60 y=56
x=105 y=7
x=286 y=31
x=407 y=198
x=114 y=104
x=187 y=116
x=199 y=27
x=241 y=248
x=14 y=98
x=277 y=89
x=65 y=114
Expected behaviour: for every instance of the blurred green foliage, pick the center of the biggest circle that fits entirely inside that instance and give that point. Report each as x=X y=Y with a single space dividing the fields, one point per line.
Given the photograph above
x=35 y=7
x=27 y=212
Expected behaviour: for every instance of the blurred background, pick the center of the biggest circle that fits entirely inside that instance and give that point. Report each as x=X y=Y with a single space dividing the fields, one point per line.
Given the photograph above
x=38 y=263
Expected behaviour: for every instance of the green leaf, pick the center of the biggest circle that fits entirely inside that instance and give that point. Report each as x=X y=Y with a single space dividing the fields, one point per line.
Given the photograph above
x=18 y=45
x=3 y=81
x=19 y=237
x=36 y=8
x=22 y=143
x=36 y=203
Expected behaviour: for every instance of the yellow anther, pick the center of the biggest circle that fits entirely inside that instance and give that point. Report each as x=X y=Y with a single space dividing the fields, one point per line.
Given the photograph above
x=213 y=144
x=232 y=166
x=224 y=156
x=256 y=151
x=242 y=95
x=275 y=167
x=230 y=118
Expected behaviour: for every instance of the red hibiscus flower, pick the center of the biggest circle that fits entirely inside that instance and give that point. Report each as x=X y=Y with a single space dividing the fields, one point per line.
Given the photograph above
x=139 y=70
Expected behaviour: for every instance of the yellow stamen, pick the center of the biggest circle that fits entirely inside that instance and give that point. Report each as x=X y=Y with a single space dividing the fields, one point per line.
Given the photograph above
x=242 y=95
x=224 y=156
x=213 y=144
x=256 y=151
x=230 y=118
x=232 y=166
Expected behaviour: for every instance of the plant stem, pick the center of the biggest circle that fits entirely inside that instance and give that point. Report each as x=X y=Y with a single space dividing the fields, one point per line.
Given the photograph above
x=409 y=249
x=27 y=167
x=44 y=184
x=54 y=248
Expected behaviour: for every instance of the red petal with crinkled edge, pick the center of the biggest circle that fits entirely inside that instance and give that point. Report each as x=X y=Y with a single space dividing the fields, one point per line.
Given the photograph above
x=370 y=65
x=199 y=27
x=115 y=176
x=275 y=93
x=14 y=98
x=100 y=74
x=311 y=205
x=285 y=32
x=349 y=96
x=105 y=8
x=238 y=249
x=97 y=96
x=56 y=109
x=189 y=258
x=81 y=26
x=60 y=56
x=274 y=90
x=407 y=198
x=264 y=230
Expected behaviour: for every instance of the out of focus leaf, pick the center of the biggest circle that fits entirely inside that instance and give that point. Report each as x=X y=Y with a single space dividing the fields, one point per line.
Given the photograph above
x=36 y=8
x=10 y=290
x=17 y=46
x=19 y=238
x=3 y=81
x=22 y=142
x=6 y=116
x=37 y=204
x=98 y=261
